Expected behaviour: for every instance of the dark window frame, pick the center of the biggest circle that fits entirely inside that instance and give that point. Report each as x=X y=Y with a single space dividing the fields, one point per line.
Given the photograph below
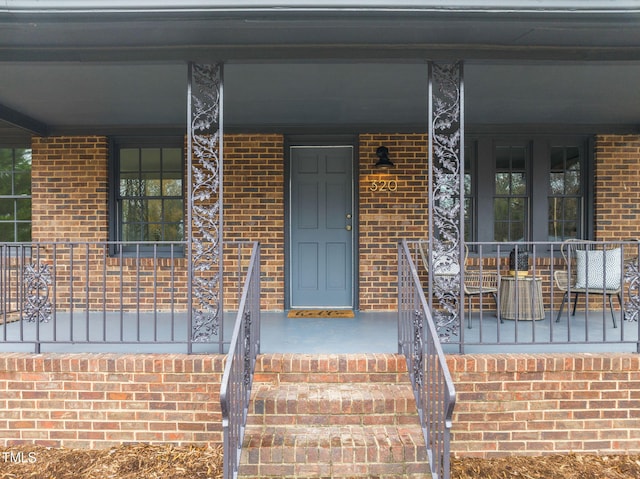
x=15 y=197
x=482 y=164
x=134 y=248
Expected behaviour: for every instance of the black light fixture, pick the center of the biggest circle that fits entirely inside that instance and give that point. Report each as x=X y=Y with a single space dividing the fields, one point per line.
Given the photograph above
x=383 y=158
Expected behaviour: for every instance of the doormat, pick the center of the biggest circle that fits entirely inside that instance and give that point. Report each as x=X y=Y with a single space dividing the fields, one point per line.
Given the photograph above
x=320 y=313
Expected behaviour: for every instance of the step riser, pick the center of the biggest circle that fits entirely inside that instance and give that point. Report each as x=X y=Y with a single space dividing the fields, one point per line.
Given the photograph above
x=304 y=369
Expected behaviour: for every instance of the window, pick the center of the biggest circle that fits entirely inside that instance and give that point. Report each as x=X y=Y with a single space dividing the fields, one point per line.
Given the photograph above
x=525 y=189
x=149 y=198
x=565 y=193
x=510 y=203
x=15 y=195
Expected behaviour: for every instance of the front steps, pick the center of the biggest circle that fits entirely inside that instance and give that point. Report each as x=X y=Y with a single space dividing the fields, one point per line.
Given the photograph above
x=338 y=416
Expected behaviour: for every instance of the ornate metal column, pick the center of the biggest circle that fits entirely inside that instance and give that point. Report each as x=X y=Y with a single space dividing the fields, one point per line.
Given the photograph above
x=204 y=209
x=446 y=195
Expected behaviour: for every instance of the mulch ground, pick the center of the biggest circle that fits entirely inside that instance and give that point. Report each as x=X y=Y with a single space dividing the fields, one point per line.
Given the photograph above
x=167 y=462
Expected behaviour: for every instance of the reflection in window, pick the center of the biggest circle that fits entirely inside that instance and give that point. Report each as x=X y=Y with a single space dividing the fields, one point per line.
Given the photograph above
x=510 y=202
x=15 y=195
x=150 y=196
x=565 y=193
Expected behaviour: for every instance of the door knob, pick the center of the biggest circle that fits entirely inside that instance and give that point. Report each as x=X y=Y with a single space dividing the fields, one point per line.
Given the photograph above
x=348 y=227
x=348 y=216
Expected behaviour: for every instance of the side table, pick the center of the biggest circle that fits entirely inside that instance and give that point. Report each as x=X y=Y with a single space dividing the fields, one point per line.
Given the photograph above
x=521 y=298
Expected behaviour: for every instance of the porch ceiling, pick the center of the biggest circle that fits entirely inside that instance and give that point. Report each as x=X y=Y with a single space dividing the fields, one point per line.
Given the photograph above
x=328 y=69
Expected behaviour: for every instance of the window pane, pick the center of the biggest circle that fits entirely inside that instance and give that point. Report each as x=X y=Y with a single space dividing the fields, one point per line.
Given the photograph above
x=503 y=183
x=173 y=211
x=517 y=232
x=22 y=182
x=24 y=232
x=6 y=183
x=173 y=232
x=132 y=210
x=150 y=159
x=130 y=185
x=503 y=158
x=152 y=187
x=518 y=184
x=129 y=159
x=6 y=209
x=518 y=158
x=6 y=159
x=154 y=232
x=501 y=209
x=557 y=160
x=572 y=182
x=172 y=187
x=154 y=211
x=172 y=159
x=23 y=209
x=557 y=183
x=23 y=159
x=6 y=233
x=501 y=231
x=131 y=232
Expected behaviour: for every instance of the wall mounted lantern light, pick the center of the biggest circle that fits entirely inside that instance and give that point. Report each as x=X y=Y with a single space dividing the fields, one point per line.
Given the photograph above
x=383 y=158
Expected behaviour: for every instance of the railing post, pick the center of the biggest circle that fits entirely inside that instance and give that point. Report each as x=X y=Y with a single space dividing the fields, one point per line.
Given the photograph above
x=204 y=202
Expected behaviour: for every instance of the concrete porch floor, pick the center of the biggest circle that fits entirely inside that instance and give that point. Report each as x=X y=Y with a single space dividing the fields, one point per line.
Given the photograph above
x=367 y=332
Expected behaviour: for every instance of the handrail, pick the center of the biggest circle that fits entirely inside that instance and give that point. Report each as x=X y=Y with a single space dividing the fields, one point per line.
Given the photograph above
x=235 y=389
x=433 y=386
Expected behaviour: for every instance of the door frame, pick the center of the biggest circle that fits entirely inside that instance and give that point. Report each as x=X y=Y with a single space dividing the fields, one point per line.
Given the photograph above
x=322 y=140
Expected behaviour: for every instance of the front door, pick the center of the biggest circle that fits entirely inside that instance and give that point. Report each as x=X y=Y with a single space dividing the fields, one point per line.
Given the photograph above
x=321 y=227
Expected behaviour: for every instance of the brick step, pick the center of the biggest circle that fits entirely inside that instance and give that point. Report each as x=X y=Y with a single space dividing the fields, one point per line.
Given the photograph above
x=331 y=368
x=338 y=416
x=344 y=451
x=332 y=403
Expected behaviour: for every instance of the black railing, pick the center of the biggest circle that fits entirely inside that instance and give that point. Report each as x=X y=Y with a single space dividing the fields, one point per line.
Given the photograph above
x=103 y=296
x=432 y=384
x=235 y=389
x=544 y=296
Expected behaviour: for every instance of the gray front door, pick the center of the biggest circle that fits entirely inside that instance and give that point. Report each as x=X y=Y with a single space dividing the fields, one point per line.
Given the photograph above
x=321 y=227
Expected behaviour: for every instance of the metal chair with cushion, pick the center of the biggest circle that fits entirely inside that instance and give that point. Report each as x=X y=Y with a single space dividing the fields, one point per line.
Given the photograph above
x=592 y=268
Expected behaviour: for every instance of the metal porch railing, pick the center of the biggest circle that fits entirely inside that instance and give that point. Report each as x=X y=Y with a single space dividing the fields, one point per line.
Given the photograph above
x=432 y=384
x=103 y=296
x=557 y=301
x=235 y=389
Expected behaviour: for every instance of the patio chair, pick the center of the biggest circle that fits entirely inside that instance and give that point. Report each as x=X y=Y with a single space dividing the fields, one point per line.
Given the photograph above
x=477 y=281
x=592 y=268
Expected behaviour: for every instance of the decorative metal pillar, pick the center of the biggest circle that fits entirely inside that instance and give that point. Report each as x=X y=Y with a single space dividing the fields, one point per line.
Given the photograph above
x=446 y=196
x=204 y=210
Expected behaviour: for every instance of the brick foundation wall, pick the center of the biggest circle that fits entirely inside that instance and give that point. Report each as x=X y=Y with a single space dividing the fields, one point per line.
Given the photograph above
x=101 y=400
x=506 y=404
x=546 y=404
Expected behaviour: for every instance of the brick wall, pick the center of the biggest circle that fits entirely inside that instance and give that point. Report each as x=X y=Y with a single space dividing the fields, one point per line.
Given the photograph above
x=617 y=187
x=69 y=188
x=254 y=206
x=101 y=400
x=546 y=403
x=386 y=216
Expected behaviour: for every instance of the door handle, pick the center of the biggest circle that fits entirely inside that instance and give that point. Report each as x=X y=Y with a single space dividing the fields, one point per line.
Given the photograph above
x=348 y=227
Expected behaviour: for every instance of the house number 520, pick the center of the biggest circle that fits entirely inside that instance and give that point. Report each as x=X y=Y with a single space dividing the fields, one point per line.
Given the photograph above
x=384 y=185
